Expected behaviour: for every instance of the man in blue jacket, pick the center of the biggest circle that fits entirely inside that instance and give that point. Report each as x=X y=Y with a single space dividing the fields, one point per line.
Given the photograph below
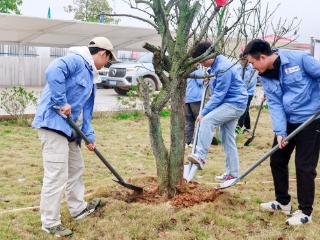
x=227 y=103
x=192 y=104
x=249 y=75
x=291 y=83
x=70 y=90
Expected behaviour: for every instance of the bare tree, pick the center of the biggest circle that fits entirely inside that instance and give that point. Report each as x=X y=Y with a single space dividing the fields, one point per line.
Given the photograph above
x=259 y=23
x=182 y=24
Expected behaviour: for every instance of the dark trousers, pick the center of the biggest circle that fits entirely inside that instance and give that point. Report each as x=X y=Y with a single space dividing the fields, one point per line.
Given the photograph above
x=245 y=118
x=191 y=113
x=307 y=145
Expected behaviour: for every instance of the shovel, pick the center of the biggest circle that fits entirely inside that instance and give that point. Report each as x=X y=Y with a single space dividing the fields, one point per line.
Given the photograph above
x=255 y=124
x=232 y=182
x=108 y=165
x=190 y=169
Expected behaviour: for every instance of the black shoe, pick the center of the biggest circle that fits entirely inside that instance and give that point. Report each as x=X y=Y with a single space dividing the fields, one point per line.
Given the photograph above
x=214 y=141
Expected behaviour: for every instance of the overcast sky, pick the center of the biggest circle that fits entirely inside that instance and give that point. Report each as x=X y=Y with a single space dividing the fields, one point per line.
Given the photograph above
x=306 y=10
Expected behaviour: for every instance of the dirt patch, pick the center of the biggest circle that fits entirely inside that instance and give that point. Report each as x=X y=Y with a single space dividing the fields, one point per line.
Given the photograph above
x=188 y=194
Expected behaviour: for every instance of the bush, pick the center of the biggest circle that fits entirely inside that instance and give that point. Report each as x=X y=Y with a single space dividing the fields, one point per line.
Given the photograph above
x=14 y=101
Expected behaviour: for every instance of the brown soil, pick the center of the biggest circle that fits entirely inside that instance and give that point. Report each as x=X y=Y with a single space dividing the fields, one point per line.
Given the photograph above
x=188 y=194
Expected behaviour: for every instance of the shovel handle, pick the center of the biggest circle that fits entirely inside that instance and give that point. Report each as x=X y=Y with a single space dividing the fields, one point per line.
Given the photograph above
x=275 y=148
x=258 y=116
x=81 y=134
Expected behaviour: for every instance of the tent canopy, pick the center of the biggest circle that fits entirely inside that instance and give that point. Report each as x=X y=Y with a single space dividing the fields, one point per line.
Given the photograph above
x=63 y=33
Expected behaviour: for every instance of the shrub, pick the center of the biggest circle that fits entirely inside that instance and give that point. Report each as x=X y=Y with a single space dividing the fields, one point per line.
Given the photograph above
x=14 y=101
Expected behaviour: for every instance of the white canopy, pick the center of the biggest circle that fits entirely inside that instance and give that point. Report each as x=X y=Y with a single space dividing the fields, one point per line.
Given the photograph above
x=63 y=33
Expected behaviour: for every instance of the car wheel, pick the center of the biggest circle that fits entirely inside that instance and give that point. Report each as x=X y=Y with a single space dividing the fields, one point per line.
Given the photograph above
x=151 y=84
x=121 y=92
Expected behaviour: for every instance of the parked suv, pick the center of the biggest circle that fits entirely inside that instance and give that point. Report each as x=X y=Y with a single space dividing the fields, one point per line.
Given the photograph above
x=122 y=76
x=103 y=72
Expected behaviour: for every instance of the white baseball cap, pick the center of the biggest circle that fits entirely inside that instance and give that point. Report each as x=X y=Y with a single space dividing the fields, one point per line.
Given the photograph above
x=103 y=43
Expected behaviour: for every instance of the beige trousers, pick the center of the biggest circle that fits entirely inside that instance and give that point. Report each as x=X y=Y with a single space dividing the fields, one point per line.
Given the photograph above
x=63 y=168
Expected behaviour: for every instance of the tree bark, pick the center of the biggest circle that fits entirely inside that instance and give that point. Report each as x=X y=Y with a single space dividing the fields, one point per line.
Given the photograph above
x=176 y=156
x=159 y=151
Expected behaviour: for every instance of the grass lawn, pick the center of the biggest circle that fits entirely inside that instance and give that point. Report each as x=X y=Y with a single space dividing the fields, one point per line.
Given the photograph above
x=125 y=142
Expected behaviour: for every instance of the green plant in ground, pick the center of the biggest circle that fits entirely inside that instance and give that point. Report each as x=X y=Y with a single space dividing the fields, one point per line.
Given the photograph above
x=130 y=101
x=14 y=101
x=128 y=115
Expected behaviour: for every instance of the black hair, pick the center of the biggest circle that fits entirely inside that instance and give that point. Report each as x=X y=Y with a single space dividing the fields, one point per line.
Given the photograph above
x=257 y=47
x=201 y=48
x=94 y=50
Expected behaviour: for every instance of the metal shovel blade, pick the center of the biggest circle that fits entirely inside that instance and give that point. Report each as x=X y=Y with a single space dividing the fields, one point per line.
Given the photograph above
x=192 y=172
x=186 y=170
x=228 y=183
x=130 y=186
x=247 y=143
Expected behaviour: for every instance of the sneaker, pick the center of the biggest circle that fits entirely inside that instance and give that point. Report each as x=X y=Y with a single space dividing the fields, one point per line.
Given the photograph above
x=299 y=218
x=224 y=177
x=196 y=160
x=58 y=231
x=276 y=206
x=91 y=207
x=214 y=141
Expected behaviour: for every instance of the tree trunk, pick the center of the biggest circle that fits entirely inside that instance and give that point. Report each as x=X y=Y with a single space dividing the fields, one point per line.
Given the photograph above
x=177 y=139
x=159 y=151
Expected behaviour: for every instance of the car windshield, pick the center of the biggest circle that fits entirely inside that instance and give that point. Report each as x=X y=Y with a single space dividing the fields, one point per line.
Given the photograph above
x=145 y=58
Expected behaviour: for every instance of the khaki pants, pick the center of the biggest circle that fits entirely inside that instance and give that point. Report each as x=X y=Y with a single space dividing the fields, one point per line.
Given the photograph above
x=63 y=168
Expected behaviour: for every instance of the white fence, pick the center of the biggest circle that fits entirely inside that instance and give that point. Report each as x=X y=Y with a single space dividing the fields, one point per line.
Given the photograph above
x=25 y=65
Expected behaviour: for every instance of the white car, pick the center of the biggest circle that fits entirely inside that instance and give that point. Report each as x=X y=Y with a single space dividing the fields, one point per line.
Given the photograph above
x=123 y=76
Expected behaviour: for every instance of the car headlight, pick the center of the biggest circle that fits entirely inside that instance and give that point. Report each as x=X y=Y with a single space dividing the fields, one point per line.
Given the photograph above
x=132 y=69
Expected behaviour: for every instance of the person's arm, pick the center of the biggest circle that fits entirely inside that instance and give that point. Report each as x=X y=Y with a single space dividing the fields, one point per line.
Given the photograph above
x=223 y=81
x=56 y=75
x=87 y=116
x=311 y=66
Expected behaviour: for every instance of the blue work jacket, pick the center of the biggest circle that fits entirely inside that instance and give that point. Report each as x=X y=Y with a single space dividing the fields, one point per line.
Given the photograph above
x=226 y=86
x=69 y=80
x=295 y=96
x=250 y=83
x=194 y=88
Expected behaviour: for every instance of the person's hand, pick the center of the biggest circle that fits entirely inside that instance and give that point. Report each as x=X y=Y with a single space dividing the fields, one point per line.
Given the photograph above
x=199 y=118
x=281 y=142
x=66 y=110
x=91 y=146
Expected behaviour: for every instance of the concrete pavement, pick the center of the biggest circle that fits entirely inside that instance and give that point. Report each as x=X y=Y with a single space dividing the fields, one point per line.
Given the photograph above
x=106 y=101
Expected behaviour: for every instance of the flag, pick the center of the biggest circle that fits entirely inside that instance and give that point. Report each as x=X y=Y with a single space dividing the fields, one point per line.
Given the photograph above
x=49 y=12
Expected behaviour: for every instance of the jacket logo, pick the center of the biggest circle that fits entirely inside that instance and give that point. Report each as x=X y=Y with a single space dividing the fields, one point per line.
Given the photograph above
x=292 y=69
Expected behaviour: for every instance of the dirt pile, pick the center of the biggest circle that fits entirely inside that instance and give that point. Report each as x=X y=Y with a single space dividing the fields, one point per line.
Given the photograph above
x=188 y=194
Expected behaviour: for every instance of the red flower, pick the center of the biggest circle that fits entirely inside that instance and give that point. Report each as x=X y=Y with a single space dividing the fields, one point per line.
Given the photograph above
x=221 y=3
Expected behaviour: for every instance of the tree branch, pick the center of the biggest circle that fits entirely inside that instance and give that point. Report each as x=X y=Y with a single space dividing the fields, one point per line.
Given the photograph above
x=132 y=16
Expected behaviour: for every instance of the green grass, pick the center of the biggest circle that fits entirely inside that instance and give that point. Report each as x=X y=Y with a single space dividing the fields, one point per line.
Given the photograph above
x=234 y=215
x=126 y=116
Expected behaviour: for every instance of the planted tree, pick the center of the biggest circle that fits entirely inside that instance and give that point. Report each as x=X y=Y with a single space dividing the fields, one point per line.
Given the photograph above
x=182 y=24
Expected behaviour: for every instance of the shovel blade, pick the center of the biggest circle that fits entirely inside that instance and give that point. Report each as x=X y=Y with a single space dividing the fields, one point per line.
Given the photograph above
x=247 y=143
x=129 y=186
x=186 y=170
x=192 y=172
x=228 y=183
